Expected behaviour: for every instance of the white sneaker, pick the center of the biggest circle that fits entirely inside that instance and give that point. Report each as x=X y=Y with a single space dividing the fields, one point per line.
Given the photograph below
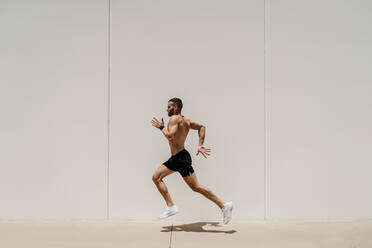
x=169 y=211
x=227 y=212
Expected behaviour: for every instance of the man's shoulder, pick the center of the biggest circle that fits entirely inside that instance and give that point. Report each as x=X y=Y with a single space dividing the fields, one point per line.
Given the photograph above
x=176 y=118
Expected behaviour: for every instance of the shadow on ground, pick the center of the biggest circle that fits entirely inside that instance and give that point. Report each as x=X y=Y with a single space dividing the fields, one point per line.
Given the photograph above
x=196 y=227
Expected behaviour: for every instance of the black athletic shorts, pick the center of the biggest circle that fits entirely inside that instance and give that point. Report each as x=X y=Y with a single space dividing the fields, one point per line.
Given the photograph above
x=180 y=162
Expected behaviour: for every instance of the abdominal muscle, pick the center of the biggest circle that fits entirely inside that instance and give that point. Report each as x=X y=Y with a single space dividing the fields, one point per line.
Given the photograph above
x=178 y=144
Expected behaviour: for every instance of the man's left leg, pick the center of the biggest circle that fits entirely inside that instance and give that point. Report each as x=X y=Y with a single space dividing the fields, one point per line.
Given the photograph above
x=193 y=183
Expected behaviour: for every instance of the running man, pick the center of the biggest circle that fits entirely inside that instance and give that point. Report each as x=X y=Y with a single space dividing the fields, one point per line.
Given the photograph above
x=180 y=160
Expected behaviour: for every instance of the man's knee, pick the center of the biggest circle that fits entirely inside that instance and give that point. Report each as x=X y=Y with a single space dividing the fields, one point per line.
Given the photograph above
x=155 y=178
x=197 y=188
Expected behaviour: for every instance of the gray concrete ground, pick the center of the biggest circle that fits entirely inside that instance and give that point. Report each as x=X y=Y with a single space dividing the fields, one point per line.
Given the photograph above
x=165 y=234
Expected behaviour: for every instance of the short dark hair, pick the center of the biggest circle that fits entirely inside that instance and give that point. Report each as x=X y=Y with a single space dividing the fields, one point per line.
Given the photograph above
x=178 y=102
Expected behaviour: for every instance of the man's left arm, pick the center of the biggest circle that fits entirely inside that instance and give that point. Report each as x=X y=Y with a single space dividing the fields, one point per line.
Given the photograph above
x=170 y=133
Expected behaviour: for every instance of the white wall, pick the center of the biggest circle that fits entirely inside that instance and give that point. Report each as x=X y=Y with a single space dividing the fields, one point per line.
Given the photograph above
x=320 y=122
x=60 y=137
x=53 y=74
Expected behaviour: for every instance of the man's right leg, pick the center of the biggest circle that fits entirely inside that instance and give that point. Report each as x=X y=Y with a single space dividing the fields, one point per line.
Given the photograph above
x=161 y=172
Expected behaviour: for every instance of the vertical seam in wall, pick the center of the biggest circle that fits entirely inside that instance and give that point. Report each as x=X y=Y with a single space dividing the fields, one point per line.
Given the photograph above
x=170 y=239
x=266 y=181
x=109 y=110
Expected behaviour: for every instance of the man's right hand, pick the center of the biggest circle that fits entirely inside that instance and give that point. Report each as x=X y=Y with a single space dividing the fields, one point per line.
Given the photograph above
x=204 y=151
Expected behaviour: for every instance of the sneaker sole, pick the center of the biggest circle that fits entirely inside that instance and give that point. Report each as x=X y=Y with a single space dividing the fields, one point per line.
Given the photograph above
x=168 y=215
x=232 y=206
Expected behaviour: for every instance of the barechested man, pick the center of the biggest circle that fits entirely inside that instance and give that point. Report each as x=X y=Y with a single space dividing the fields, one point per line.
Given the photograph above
x=180 y=161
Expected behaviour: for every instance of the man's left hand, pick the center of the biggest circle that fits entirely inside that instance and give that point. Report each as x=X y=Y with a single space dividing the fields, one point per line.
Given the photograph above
x=156 y=123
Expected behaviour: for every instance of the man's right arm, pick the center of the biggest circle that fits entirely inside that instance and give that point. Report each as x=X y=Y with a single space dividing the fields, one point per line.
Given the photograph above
x=201 y=131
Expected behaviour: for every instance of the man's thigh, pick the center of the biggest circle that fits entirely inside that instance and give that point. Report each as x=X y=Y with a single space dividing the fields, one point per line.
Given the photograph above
x=161 y=172
x=191 y=180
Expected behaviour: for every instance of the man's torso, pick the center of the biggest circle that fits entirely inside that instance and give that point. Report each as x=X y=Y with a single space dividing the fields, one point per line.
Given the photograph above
x=178 y=143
